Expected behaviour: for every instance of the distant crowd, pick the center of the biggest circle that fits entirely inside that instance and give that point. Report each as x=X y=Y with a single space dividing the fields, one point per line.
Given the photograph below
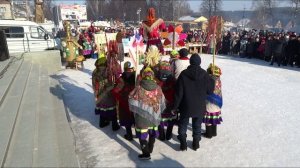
x=282 y=48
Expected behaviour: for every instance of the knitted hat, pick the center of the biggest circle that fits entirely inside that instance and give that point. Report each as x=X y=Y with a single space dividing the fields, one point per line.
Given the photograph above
x=183 y=52
x=127 y=66
x=164 y=70
x=174 y=54
x=148 y=74
x=214 y=70
x=100 y=62
x=195 y=59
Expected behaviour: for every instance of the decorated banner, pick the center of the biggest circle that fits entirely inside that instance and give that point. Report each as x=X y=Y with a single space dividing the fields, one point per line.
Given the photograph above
x=126 y=45
x=101 y=38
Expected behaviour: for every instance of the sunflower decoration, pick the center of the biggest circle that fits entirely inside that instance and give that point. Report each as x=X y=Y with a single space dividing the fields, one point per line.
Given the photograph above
x=152 y=56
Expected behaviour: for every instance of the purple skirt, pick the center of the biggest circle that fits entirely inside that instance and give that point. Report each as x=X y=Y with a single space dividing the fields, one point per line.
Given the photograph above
x=212 y=118
x=152 y=132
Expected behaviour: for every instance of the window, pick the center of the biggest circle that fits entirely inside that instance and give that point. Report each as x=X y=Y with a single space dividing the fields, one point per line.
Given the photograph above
x=37 y=32
x=13 y=32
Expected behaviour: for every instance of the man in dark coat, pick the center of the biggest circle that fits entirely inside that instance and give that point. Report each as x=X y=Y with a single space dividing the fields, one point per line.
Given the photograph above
x=277 y=50
x=192 y=87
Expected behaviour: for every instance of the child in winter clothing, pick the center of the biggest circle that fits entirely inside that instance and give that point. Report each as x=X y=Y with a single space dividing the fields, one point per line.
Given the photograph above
x=167 y=82
x=214 y=104
x=147 y=102
x=105 y=103
x=125 y=84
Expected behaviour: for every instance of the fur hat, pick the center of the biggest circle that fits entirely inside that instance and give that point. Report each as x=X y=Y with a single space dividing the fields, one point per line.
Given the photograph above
x=214 y=70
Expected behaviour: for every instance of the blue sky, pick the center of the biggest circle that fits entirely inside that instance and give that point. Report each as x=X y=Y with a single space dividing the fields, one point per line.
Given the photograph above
x=231 y=5
x=228 y=5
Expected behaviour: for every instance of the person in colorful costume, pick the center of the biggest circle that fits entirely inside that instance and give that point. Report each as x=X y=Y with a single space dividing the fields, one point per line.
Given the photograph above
x=87 y=46
x=70 y=46
x=125 y=84
x=114 y=69
x=214 y=102
x=104 y=100
x=147 y=102
x=173 y=57
x=151 y=28
x=167 y=83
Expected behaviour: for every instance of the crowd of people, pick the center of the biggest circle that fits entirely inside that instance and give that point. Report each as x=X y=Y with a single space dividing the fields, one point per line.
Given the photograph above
x=282 y=48
x=161 y=95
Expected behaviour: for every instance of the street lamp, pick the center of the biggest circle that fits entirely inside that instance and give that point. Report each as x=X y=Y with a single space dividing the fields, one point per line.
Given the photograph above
x=138 y=12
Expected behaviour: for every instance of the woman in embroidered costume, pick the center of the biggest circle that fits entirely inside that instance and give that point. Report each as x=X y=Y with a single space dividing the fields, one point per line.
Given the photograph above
x=114 y=69
x=151 y=28
x=105 y=103
x=214 y=104
x=125 y=84
x=167 y=83
x=147 y=102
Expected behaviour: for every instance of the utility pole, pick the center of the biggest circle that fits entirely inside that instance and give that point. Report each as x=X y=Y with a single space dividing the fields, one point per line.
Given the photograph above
x=139 y=14
x=173 y=10
x=27 y=10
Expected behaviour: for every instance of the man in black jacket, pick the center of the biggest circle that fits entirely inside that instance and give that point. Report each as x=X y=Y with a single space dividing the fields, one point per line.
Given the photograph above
x=192 y=87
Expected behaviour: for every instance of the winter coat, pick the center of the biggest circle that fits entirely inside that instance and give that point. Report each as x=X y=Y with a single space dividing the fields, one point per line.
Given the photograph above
x=125 y=85
x=268 y=48
x=191 y=90
x=277 y=46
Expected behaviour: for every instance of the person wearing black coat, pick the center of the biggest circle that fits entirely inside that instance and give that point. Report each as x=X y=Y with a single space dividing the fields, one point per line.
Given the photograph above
x=277 y=50
x=191 y=90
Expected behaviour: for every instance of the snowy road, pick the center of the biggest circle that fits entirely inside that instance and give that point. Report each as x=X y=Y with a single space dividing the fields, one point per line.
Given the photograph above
x=260 y=128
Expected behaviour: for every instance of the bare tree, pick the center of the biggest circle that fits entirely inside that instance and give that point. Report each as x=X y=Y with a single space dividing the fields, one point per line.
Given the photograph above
x=211 y=7
x=127 y=9
x=47 y=8
x=295 y=6
x=264 y=11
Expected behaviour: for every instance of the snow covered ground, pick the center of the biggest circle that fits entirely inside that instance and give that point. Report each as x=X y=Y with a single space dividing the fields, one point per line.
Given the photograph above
x=260 y=128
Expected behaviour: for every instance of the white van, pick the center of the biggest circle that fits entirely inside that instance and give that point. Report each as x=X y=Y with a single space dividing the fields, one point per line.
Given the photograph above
x=26 y=36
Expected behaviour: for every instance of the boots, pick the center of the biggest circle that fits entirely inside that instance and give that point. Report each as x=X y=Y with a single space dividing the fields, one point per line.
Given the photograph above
x=128 y=134
x=196 y=144
x=169 y=132
x=115 y=125
x=183 y=144
x=162 y=135
x=208 y=132
x=151 y=144
x=103 y=123
x=145 y=150
x=214 y=130
x=97 y=112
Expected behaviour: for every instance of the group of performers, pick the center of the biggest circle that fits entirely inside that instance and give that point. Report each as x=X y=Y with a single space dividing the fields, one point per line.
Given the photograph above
x=145 y=100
